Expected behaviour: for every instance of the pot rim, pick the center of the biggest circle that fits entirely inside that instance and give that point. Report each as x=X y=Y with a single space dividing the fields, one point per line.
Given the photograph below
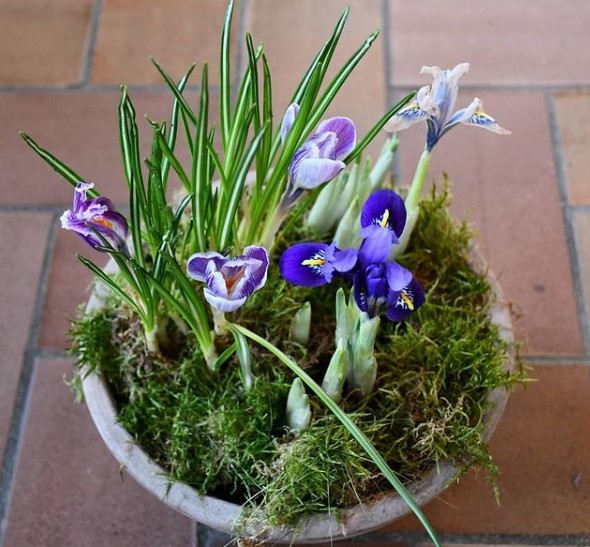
x=317 y=527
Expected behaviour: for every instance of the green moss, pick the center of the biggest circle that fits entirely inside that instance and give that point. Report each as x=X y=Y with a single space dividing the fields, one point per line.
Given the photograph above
x=435 y=371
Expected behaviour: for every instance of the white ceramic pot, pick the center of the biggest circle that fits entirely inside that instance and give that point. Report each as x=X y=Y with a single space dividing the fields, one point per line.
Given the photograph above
x=320 y=527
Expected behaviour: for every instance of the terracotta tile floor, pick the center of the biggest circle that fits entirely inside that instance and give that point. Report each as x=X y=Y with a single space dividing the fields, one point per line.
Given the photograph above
x=528 y=196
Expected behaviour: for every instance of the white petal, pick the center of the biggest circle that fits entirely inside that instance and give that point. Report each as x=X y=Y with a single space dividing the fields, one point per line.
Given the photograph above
x=407 y=116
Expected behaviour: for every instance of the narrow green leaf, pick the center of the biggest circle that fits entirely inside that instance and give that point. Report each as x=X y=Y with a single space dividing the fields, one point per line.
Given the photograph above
x=337 y=82
x=173 y=131
x=176 y=165
x=244 y=357
x=229 y=213
x=200 y=190
x=177 y=92
x=111 y=284
x=223 y=358
x=367 y=139
x=57 y=165
x=224 y=76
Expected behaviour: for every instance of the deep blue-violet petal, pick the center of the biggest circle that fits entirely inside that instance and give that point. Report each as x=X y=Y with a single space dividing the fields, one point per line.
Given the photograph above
x=375 y=248
x=384 y=209
x=345 y=131
x=359 y=291
x=305 y=264
x=397 y=276
x=400 y=304
x=345 y=260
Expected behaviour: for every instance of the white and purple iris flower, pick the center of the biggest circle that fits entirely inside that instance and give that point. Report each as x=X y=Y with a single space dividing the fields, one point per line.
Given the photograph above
x=378 y=282
x=229 y=280
x=319 y=158
x=435 y=104
x=96 y=221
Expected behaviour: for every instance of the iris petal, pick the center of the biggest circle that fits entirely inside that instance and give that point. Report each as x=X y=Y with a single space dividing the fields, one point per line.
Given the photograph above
x=401 y=303
x=397 y=276
x=384 y=209
x=435 y=105
x=407 y=116
x=345 y=260
x=375 y=248
x=305 y=264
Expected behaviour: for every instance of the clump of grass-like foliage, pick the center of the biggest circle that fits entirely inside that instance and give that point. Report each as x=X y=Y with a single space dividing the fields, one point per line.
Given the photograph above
x=435 y=371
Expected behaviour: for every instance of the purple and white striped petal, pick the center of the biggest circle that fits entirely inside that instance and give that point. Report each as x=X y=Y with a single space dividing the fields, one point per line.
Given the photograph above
x=259 y=273
x=196 y=266
x=345 y=132
x=318 y=159
x=229 y=280
x=96 y=219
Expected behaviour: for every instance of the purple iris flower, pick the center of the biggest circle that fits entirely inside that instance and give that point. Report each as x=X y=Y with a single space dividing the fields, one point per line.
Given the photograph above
x=319 y=159
x=377 y=280
x=384 y=211
x=380 y=281
x=230 y=280
x=314 y=264
x=93 y=218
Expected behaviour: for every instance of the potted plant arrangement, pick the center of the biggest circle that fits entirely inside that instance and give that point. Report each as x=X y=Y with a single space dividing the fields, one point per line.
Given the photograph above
x=283 y=345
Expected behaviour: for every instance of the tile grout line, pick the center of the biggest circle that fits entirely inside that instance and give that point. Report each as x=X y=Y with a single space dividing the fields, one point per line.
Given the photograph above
x=557 y=360
x=568 y=223
x=20 y=407
x=97 y=10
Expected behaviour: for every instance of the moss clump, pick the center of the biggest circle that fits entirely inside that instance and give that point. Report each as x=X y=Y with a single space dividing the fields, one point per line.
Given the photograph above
x=435 y=371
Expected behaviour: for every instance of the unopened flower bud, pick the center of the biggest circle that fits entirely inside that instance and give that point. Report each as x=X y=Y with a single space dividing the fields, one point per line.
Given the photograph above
x=298 y=409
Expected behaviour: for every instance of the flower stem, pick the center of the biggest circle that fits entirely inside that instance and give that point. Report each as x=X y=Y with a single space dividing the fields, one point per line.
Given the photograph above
x=220 y=322
x=151 y=339
x=412 y=202
x=271 y=227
